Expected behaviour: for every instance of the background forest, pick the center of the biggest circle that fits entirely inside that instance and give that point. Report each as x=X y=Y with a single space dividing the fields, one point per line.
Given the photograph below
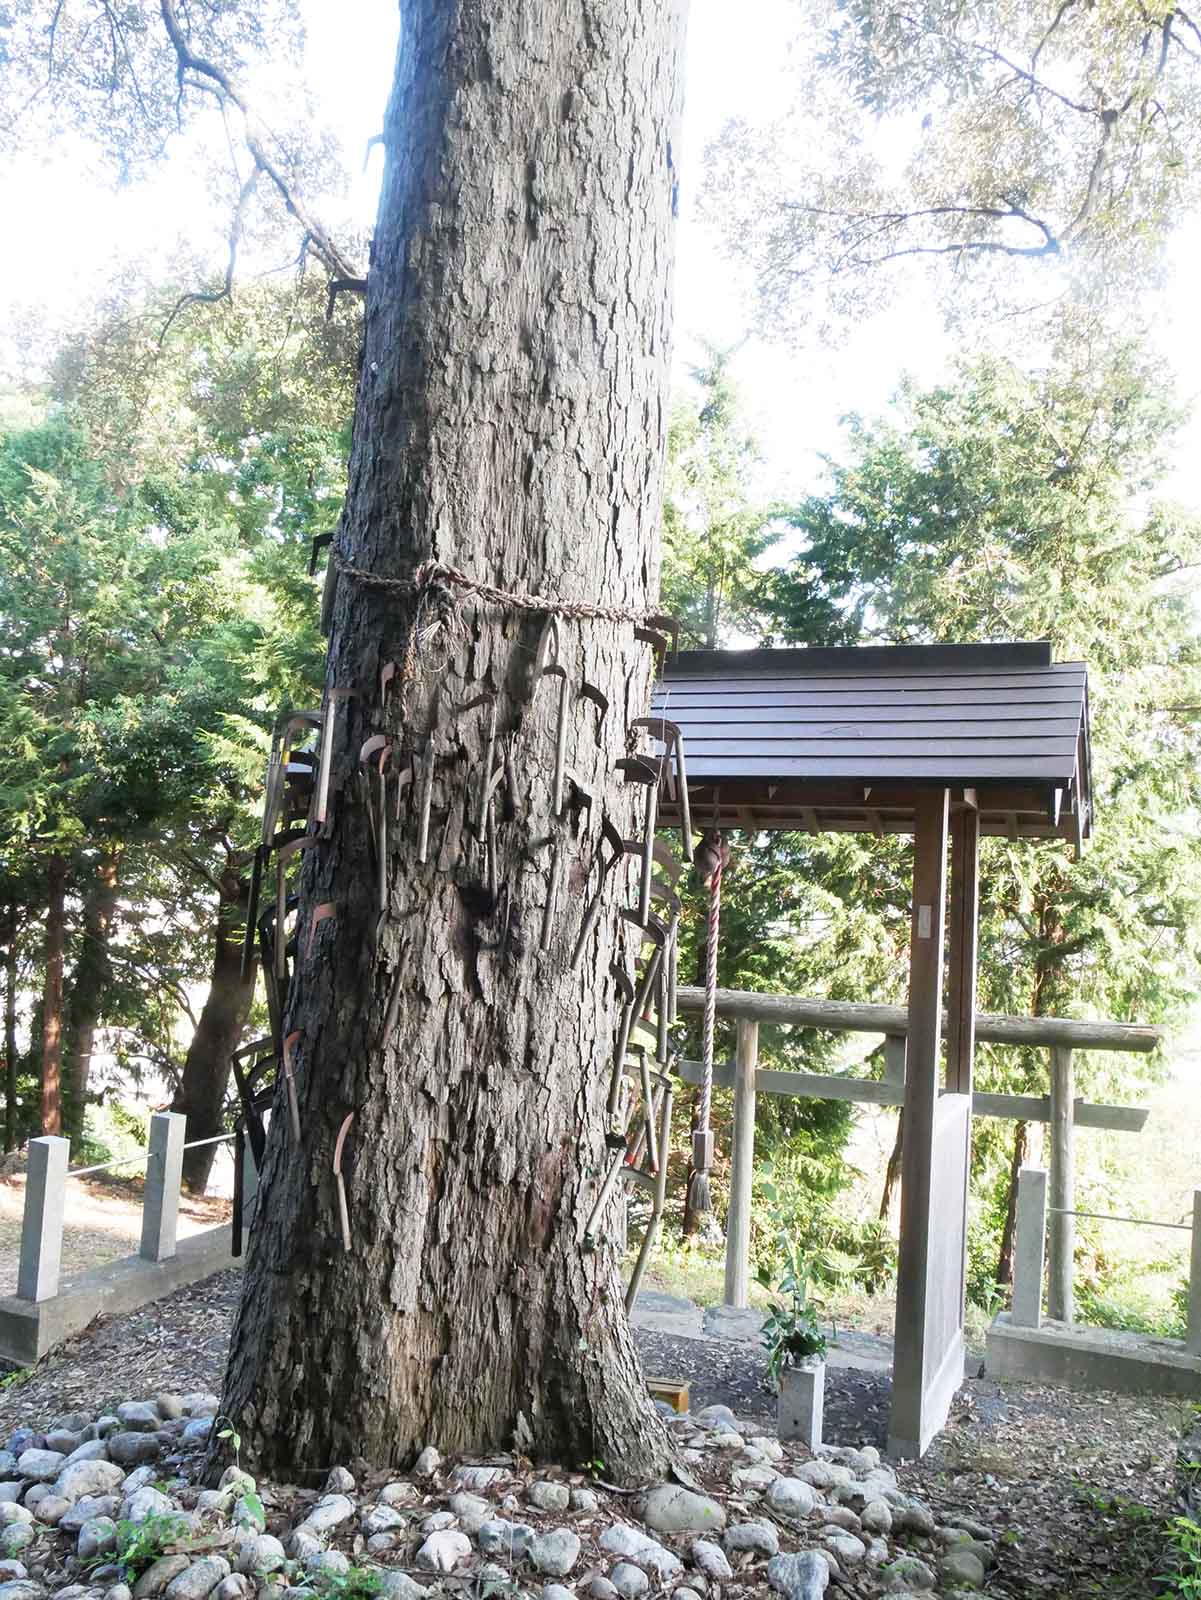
x=170 y=451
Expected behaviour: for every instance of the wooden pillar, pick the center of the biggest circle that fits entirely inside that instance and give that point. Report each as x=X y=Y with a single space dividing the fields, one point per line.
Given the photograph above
x=1061 y=1232
x=742 y=1165
x=911 y=1424
x=961 y=951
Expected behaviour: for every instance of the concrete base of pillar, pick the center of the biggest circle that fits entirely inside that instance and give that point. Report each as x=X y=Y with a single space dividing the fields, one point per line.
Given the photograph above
x=802 y=1401
x=1091 y=1358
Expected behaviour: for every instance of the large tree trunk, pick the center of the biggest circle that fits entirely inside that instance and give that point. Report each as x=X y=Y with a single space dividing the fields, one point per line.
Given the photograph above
x=52 y=994
x=11 y=1135
x=510 y=422
x=89 y=980
x=201 y=1093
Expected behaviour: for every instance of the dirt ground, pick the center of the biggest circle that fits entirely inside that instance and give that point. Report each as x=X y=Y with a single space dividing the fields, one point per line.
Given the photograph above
x=103 y=1222
x=1072 y=1485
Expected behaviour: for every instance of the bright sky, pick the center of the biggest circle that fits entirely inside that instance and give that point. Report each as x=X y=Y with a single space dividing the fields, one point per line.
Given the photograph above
x=81 y=237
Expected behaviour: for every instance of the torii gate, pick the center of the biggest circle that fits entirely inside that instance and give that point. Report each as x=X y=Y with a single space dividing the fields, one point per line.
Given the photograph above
x=947 y=742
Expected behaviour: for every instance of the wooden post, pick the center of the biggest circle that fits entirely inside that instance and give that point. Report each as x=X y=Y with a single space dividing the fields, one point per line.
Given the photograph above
x=1194 y=1282
x=1061 y=1235
x=894 y=1058
x=961 y=953
x=912 y=1423
x=742 y=1166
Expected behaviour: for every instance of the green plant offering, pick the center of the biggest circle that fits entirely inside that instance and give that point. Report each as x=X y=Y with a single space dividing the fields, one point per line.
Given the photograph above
x=140 y=1544
x=790 y=1330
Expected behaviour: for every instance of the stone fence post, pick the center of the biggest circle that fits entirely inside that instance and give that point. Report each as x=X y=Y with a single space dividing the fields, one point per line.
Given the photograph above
x=1028 y=1248
x=164 y=1171
x=42 y=1224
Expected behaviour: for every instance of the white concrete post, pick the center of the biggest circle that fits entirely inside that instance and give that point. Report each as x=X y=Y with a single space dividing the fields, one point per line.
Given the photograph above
x=742 y=1166
x=1194 y=1281
x=1061 y=1231
x=802 y=1402
x=1028 y=1248
x=42 y=1224
x=160 y=1207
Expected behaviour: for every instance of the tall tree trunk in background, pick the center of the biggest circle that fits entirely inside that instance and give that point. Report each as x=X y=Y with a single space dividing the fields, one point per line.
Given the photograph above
x=11 y=1135
x=510 y=422
x=201 y=1093
x=1016 y=1162
x=52 y=994
x=89 y=981
x=893 y=1170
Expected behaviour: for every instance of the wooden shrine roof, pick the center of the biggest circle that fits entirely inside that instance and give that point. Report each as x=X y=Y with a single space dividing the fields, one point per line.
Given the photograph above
x=841 y=739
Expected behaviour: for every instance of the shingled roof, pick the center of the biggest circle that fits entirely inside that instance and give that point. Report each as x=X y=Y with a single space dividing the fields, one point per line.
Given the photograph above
x=841 y=739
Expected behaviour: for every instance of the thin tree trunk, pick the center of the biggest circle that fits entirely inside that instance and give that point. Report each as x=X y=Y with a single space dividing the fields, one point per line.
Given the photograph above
x=510 y=423
x=52 y=994
x=201 y=1092
x=89 y=981
x=1016 y=1162
x=893 y=1171
x=11 y=1133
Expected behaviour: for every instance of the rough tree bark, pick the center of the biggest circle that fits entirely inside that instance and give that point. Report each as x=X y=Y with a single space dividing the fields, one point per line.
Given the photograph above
x=52 y=994
x=510 y=422
x=201 y=1092
x=89 y=980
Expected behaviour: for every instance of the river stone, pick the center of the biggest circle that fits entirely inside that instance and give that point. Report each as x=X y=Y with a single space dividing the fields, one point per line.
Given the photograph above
x=913 y=1517
x=710 y=1559
x=378 y=1544
x=89 y=1450
x=710 y=1416
x=399 y=1586
x=977 y=1530
x=21 y=1589
x=51 y=1509
x=131 y=1448
x=327 y=1564
x=201 y=1578
x=760 y=1538
x=629 y=1581
x=849 y=1550
x=11 y=1511
x=259 y=1554
x=156 y=1578
x=10 y=1493
x=602 y=1589
x=800 y=1577
x=437 y=1521
x=472 y=1511
x=962 y=1567
x=119 y=1591
x=500 y=1538
x=548 y=1496
x=139 y=1416
x=818 y=1475
x=670 y=1508
x=97 y=1535
x=200 y=1404
x=249 y=1513
x=62 y=1440
x=443 y=1551
x=20 y=1440
x=876 y=1517
x=236 y=1587
x=400 y=1493
x=842 y=1518
x=791 y=1498
x=554 y=1552
x=213 y=1500
x=43 y=1466
x=16 y=1537
x=380 y=1519
x=906 y=1572
x=87 y=1507
x=329 y=1513
x=634 y=1545
x=8 y=1464
x=556 y=1591
x=145 y=1502
x=198 y=1428
x=427 y=1463
x=476 y=1477
x=584 y=1500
